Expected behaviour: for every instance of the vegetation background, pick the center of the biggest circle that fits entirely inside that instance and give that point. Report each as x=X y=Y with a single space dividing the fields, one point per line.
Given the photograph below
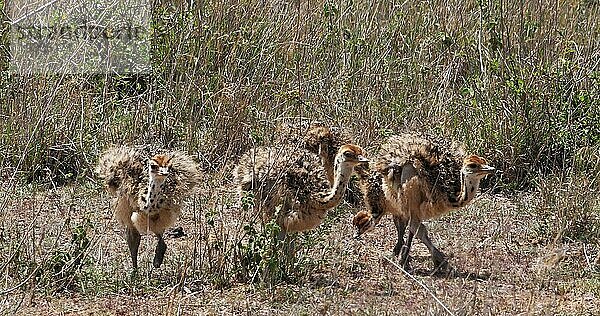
x=517 y=82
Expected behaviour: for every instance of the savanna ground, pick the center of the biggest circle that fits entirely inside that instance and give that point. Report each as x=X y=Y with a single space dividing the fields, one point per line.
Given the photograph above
x=516 y=82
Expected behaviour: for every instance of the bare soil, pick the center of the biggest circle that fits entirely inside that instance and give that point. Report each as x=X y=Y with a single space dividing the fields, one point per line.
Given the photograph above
x=501 y=263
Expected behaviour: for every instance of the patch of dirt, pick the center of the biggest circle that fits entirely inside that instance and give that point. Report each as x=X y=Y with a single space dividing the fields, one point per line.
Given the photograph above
x=497 y=265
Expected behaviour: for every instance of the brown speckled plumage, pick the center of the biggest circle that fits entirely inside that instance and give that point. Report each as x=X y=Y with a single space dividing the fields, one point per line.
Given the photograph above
x=317 y=138
x=437 y=161
x=323 y=141
x=422 y=177
x=126 y=174
x=371 y=186
x=294 y=183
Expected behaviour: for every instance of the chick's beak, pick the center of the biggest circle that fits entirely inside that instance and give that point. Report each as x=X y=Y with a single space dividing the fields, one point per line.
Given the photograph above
x=487 y=169
x=362 y=159
x=163 y=172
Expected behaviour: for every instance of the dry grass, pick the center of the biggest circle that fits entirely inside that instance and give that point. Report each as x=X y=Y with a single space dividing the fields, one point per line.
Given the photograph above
x=501 y=264
x=518 y=83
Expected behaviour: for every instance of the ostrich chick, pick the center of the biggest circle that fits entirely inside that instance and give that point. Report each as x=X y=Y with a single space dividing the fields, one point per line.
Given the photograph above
x=292 y=187
x=149 y=191
x=423 y=178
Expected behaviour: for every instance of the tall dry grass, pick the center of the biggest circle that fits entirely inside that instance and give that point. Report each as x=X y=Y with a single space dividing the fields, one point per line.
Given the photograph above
x=517 y=82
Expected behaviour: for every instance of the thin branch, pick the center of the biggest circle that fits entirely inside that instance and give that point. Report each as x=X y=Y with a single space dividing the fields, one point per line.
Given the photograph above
x=33 y=12
x=419 y=283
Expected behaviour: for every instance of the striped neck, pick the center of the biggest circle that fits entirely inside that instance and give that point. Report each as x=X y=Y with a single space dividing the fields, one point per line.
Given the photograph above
x=469 y=185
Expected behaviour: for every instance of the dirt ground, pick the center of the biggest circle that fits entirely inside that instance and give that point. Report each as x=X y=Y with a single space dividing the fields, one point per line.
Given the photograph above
x=501 y=263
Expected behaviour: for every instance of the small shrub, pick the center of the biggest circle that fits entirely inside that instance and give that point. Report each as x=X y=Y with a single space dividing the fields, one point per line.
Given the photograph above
x=263 y=255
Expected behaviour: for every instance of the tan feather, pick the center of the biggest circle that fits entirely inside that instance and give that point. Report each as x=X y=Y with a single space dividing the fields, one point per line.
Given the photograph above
x=422 y=177
x=144 y=206
x=294 y=183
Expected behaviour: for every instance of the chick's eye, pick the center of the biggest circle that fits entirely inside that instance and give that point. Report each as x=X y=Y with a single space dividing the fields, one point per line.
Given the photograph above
x=472 y=165
x=348 y=154
x=154 y=167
